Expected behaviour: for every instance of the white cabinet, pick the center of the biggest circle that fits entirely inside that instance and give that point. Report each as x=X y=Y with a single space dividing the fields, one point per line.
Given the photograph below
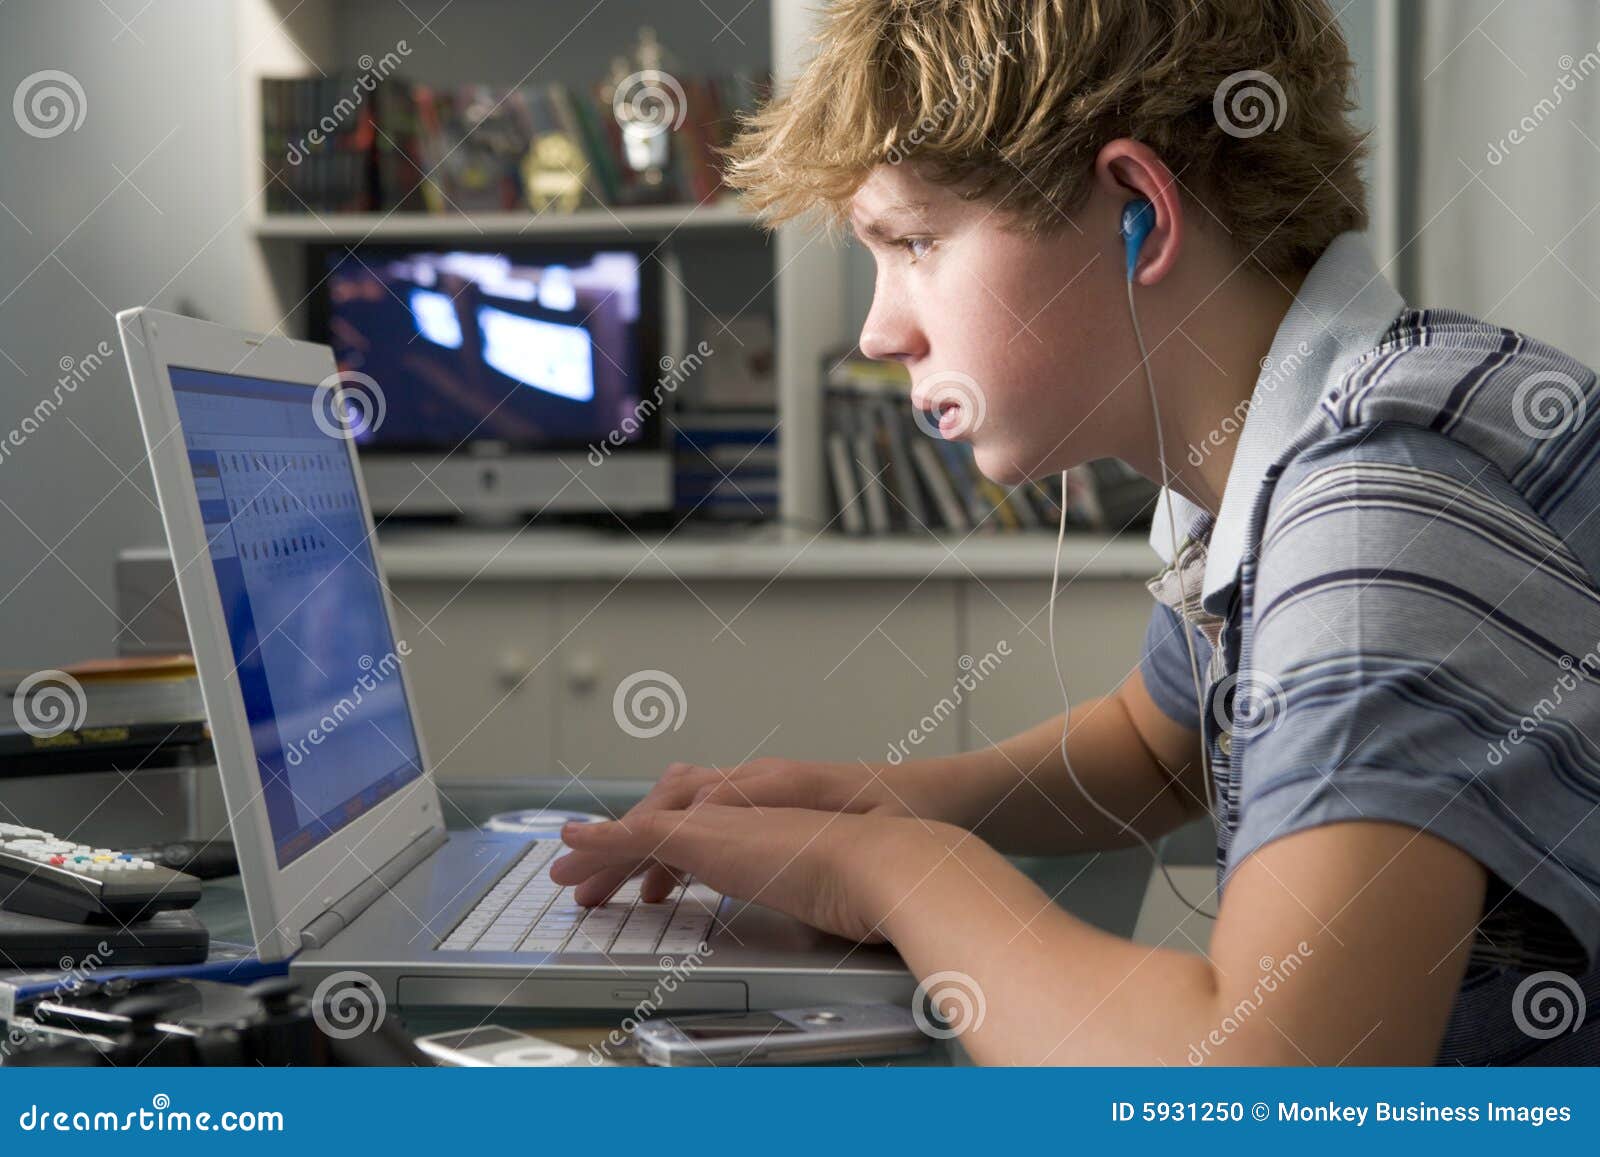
x=482 y=668
x=719 y=672
x=1100 y=625
x=722 y=652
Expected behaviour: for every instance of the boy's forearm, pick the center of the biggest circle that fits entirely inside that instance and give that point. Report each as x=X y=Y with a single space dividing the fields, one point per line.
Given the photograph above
x=1358 y=935
x=1019 y=797
x=1027 y=983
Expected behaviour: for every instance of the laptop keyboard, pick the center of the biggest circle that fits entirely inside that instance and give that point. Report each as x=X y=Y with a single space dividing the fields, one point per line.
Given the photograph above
x=526 y=911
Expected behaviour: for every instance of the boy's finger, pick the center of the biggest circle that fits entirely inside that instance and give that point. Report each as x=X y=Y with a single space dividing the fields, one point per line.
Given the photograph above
x=658 y=881
x=597 y=889
x=576 y=867
x=678 y=837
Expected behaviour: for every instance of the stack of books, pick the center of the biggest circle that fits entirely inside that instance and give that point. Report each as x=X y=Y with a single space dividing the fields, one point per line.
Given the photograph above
x=127 y=713
x=890 y=472
x=726 y=463
x=332 y=144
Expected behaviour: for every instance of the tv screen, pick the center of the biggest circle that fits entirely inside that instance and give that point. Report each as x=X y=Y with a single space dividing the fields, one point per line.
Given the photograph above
x=536 y=348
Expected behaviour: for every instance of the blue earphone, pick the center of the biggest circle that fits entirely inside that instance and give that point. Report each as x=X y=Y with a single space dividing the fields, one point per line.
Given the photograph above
x=1138 y=218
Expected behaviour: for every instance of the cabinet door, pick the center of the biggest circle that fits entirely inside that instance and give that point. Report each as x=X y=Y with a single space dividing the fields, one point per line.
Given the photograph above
x=720 y=672
x=1099 y=629
x=482 y=666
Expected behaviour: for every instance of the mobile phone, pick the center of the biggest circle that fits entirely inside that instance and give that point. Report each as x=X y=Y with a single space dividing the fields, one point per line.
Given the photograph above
x=491 y=1045
x=789 y=1036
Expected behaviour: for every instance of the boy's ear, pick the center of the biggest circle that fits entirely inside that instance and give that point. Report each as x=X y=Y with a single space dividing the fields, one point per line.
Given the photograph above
x=1124 y=170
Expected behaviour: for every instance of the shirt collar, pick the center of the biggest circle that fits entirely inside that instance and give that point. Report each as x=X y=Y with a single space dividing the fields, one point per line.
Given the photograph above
x=1342 y=310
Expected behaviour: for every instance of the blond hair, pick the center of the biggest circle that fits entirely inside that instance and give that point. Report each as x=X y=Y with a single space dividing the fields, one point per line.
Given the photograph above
x=1247 y=102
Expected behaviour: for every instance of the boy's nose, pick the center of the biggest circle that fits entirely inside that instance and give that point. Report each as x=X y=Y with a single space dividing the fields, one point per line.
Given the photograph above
x=891 y=335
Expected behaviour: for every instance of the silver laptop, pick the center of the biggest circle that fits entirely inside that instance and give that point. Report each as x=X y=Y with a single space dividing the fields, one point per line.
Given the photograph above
x=342 y=847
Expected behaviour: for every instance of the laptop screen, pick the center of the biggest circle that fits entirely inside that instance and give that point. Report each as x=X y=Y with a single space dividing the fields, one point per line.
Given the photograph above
x=314 y=655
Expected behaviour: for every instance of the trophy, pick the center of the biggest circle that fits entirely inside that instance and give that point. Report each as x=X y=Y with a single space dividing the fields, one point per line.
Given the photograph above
x=649 y=105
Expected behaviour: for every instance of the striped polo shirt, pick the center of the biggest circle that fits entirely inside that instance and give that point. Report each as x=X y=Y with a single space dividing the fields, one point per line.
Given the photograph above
x=1397 y=619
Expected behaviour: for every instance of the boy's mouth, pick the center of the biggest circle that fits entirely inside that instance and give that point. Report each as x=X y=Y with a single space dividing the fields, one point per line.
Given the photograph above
x=948 y=412
x=943 y=413
x=949 y=405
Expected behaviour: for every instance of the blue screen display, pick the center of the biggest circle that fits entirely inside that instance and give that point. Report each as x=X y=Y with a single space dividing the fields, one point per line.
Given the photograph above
x=315 y=659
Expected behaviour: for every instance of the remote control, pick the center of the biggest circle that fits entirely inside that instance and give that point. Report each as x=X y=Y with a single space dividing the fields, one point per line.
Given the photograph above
x=201 y=859
x=42 y=875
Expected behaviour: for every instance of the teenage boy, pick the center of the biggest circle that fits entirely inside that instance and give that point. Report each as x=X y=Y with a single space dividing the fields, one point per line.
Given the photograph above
x=1385 y=557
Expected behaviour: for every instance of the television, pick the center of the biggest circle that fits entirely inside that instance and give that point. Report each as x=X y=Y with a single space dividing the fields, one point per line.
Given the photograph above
x=500 y=373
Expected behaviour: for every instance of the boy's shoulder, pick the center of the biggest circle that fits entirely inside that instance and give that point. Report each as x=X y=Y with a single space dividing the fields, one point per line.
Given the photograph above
x=1443 y=392
x=1489 y=438
x=1518 y=402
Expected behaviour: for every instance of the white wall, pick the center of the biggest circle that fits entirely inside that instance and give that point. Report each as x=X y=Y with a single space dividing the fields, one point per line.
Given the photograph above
x=1508 y=229
x=77 y=243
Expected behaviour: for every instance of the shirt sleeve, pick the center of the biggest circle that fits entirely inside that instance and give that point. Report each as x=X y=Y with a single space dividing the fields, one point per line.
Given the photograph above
x=1422 y=649
x=1164 y=663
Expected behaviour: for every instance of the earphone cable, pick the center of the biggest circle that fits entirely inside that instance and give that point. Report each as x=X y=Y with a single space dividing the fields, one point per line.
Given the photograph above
x=1194 y=665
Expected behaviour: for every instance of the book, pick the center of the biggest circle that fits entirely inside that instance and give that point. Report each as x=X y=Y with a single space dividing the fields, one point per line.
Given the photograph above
x=846 y=495
x=416 y=147
x=135 y=690
x=902 y=471
x=939 y=486
x=871 y=468
x=89 y=716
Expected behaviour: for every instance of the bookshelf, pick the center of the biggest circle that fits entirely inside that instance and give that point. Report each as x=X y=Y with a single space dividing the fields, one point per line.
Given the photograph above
x=547 y=621
x=644 y=221
x=796 y=276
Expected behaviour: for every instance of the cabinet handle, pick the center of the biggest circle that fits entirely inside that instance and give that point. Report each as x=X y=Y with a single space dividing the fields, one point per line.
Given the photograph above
x=512 y=669
x=583 y=673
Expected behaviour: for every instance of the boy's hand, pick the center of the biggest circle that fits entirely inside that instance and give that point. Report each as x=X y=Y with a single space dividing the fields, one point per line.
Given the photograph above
x=834 y=871
x=762 y=783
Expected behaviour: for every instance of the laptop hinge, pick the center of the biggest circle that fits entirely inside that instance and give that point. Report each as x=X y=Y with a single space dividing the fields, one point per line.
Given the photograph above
x=356 y=901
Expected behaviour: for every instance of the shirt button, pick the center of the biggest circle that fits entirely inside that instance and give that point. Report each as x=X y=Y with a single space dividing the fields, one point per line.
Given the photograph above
x=1225 y=743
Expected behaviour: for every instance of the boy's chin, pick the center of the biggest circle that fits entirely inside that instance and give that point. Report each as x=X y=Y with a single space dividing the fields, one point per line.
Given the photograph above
x=999 y=465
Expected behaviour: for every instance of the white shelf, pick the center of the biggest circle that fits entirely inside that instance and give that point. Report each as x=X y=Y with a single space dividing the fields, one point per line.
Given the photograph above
x=637 y=221
x=455 y=555
x=806 y=286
